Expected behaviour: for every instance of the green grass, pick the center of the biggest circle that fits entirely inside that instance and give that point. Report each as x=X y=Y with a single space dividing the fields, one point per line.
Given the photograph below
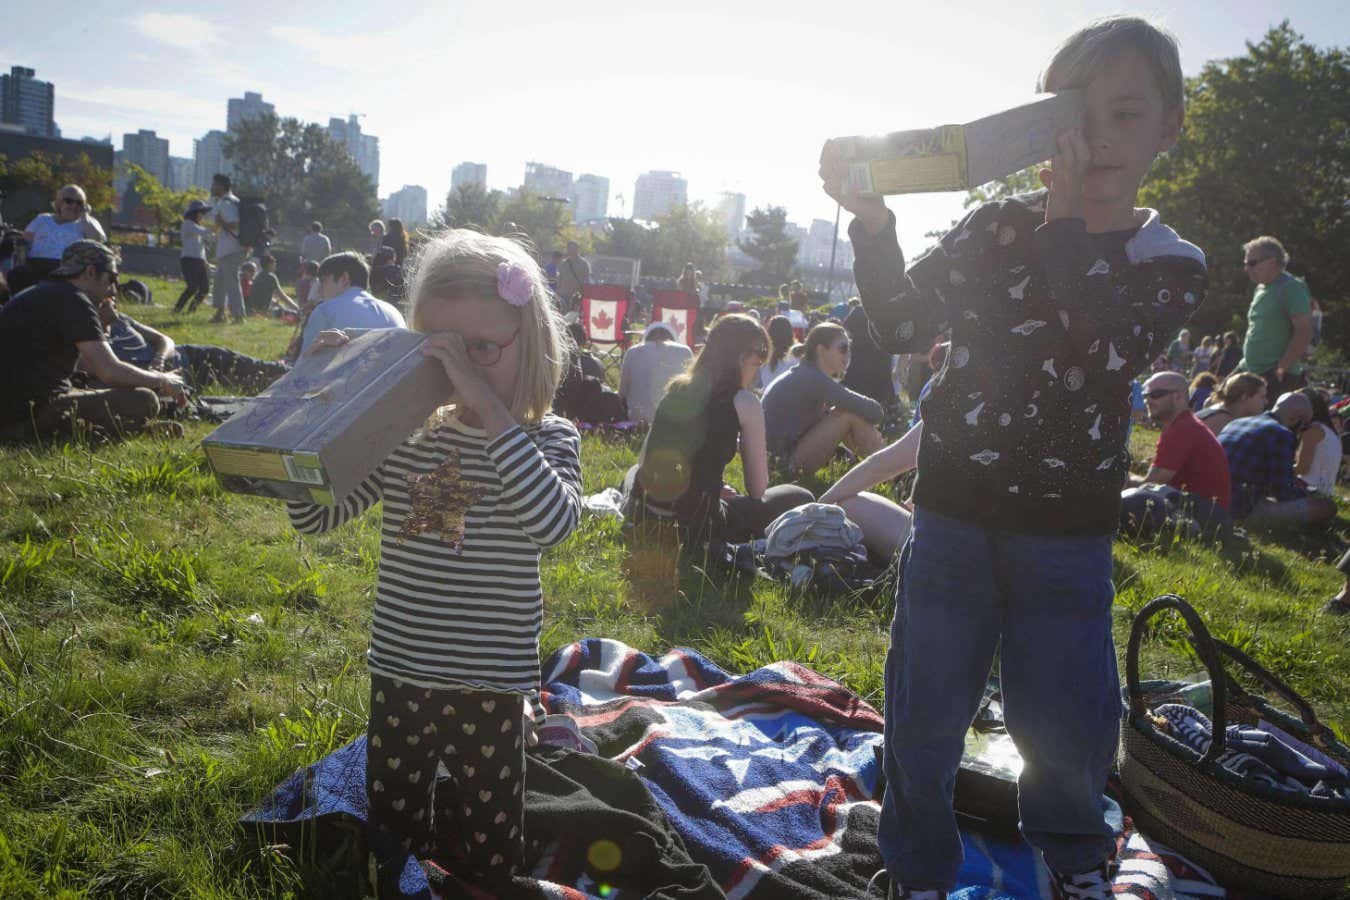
x=169 y=652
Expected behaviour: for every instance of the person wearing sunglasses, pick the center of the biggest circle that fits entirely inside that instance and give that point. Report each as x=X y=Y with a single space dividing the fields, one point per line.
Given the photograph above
x=1188 y=456
x=49 y=330
x=809 y=413
x=1279 y=320
x=49 y=234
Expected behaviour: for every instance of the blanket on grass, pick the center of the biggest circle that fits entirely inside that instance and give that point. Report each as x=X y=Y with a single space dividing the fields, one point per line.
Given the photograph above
x=595 y=832
x=771 y=777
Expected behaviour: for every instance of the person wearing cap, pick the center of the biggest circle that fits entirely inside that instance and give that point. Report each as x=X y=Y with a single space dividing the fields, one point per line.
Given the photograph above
x=51 y=233
x=46 y=331
x=192 y=258
x=647 y=369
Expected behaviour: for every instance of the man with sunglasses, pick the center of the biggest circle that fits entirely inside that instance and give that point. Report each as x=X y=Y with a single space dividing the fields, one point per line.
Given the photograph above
x=51 y=328
x=1188 y=456
x=51 y=233
x=1279 y=320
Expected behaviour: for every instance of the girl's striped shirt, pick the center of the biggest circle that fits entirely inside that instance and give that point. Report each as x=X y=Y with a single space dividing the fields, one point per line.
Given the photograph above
x=458 y=600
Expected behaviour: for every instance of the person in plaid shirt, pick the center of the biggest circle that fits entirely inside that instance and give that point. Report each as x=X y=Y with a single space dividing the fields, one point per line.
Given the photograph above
x=1260 y=451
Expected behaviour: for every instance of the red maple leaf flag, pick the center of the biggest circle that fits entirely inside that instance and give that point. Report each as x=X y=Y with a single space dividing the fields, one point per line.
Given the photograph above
x=602 y=322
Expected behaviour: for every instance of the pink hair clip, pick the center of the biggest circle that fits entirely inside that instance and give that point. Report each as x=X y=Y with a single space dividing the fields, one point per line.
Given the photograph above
x=514 y=284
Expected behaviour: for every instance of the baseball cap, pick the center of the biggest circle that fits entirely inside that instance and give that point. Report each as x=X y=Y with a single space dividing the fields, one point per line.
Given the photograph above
x=82 y=254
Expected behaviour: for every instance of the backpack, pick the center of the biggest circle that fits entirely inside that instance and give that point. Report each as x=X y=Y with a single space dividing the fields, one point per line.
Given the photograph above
x=253 y=224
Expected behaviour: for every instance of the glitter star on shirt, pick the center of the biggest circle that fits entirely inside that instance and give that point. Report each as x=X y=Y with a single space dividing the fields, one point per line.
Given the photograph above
x=440 y=498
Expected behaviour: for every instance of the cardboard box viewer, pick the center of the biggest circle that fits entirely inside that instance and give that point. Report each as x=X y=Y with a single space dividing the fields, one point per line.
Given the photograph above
x=320 y=429
x=961 y=157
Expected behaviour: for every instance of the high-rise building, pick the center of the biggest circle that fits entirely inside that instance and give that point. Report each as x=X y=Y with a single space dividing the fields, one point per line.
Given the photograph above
x=656 y=193
x=28 y=103
x=469 y=173
x=364 y=148
x=149 y=151
x=408 y=203
x=590 y=198
x=731 y=207
x=181 y=171
x=249 y=106
x=208 y=158
x=547 y=181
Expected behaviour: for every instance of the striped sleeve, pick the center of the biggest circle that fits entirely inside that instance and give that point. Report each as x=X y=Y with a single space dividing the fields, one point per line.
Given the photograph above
x=541 y=479
x=313 y=518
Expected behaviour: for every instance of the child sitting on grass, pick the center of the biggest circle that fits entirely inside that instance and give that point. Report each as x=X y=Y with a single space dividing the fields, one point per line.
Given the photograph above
x=1055 y=301
x=469 y=504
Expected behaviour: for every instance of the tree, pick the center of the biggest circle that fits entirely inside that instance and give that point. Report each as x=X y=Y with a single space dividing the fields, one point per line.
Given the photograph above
x=1265 y=150
x=301 y=173
x=686 y=233
x=623 y=237
x=42 y=175
x=470 y=205
x=162 y=207
x=547 y=223
x=769 y=245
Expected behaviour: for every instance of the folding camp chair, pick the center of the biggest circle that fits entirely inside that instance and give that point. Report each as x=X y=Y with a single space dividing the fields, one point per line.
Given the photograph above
x=604 y=308
x=679 y=310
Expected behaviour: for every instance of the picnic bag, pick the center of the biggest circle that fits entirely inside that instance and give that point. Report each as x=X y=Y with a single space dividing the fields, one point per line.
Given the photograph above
x=1249 y=835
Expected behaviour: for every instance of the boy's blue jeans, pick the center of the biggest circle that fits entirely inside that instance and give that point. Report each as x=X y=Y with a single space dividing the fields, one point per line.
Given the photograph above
x=1045 y=604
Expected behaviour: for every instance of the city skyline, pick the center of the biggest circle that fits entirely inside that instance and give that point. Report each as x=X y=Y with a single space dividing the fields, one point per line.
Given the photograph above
x=583 y=91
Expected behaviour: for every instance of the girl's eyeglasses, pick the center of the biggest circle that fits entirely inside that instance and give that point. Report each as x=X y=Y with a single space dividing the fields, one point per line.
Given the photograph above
x=487 y=353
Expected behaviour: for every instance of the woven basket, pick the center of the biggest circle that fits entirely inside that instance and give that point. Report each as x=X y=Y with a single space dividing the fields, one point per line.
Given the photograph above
x=1249 y=836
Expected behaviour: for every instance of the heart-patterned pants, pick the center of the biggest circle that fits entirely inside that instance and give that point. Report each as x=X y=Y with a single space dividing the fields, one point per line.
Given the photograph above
x=478 y=813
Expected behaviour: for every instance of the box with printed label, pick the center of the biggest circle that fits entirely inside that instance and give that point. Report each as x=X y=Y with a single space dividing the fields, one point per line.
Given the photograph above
x=319 y=430
x=960 y=157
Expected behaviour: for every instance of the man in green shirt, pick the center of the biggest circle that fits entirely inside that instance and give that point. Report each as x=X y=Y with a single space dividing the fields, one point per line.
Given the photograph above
x=1279 y=321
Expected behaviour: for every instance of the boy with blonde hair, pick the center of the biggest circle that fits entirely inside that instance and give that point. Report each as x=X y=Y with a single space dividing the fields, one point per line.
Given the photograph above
x=1055 y=301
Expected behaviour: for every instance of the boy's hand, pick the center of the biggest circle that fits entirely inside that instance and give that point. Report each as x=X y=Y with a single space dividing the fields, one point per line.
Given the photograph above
x=871 y=211
x=329 y=337
x=1064 y=178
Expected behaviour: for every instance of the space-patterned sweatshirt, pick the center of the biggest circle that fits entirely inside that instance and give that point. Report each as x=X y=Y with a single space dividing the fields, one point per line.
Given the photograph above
x=1025 y=428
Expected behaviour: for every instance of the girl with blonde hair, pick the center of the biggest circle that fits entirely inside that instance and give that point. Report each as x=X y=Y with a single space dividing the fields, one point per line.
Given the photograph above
x=469 y=503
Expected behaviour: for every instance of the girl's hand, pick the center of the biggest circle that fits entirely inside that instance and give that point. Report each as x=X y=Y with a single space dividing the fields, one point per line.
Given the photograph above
x=471 y=392
x=1064 y=178
x=330 y=337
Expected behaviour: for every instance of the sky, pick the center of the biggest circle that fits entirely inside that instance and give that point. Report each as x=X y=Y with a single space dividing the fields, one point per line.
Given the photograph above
x=736 y=96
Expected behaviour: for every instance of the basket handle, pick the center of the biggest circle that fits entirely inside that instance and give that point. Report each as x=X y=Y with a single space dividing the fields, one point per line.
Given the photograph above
x=1204 y=647
x=1272 y=681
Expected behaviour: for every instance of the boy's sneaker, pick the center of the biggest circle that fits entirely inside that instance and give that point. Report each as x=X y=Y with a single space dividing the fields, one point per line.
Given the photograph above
x=1092 y=885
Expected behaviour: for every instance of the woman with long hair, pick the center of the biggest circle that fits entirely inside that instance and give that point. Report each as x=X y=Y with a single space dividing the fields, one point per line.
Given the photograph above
x=780 y=353
x=1240 y=396
x=1319 y=446
x=705 y=414
x=397 y=238
x=809 y=413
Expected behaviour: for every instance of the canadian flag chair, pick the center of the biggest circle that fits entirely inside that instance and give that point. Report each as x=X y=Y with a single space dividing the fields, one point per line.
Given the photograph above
x=679 y=310
x=604 y=307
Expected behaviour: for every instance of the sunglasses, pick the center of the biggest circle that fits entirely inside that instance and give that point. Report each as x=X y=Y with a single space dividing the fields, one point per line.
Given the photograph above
x=1253 y=263
x=72 y=201
x=1160 y=392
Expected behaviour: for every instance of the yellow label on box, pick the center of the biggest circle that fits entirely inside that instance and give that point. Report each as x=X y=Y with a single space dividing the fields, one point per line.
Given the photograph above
x=916 y=173
x=246 y=462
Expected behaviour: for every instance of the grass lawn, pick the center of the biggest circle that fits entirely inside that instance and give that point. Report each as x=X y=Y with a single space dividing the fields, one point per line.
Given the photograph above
x=169 y=652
